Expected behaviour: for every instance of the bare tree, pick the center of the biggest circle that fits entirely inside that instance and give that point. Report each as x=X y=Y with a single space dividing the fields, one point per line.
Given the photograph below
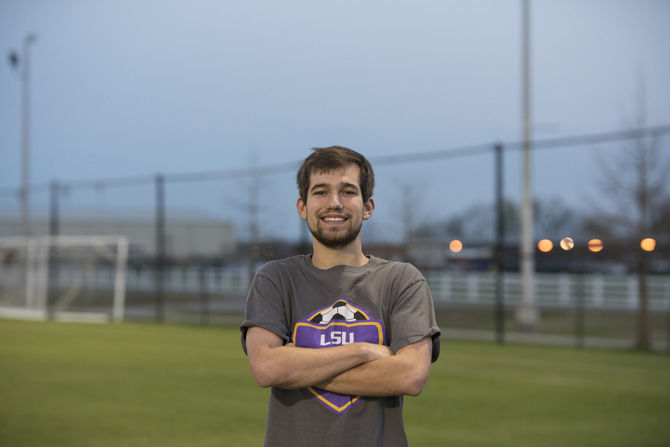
x=633 y=185
x=552 y=218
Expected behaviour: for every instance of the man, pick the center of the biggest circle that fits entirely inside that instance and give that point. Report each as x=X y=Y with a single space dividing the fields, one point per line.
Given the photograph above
x=339 y=336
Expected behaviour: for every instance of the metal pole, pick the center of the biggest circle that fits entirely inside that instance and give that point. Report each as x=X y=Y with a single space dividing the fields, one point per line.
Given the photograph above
x=667 y=324
x=204 y=297
x=159 y=256
x=254 y=234
x=25 y=134
x=527 y=314
x=54 y=215
x=120 y=280
x=500 y=246
x=54 y=231
x=579 y=311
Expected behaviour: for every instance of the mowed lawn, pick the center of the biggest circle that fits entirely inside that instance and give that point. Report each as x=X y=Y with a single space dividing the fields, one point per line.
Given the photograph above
x=166 y=385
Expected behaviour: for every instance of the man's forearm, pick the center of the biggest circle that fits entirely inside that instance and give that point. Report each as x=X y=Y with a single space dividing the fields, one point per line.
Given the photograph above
x=403 y=373
x=293 y=367
x=290 y=367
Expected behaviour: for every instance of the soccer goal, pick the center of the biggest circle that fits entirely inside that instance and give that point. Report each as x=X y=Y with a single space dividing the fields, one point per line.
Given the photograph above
x=66 y=278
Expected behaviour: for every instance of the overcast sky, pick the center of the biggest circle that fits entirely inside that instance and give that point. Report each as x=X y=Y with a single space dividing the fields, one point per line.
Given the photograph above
x=139 y=87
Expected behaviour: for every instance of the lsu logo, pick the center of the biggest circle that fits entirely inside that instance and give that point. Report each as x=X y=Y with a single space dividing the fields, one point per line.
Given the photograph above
x=340 y=323
x=337 y=338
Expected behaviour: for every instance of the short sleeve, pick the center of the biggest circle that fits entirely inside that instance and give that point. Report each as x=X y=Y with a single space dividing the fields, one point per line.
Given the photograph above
x=413 y=314
x=264 y=307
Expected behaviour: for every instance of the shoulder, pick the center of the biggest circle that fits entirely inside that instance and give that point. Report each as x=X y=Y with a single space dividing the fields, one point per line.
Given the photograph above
x=280 y=267
x=403 y=270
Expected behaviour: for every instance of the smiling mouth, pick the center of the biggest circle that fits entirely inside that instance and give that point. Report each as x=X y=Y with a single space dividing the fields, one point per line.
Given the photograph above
x=333 y=219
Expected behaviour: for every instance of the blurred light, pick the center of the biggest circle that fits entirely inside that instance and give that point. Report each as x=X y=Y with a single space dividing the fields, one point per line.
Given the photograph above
x=595 y=245
x=545 y=245
x=567 y=243
x=455 y=246
x=648 y=244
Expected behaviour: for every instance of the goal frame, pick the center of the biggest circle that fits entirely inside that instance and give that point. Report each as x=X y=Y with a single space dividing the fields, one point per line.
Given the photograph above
x=37 y=254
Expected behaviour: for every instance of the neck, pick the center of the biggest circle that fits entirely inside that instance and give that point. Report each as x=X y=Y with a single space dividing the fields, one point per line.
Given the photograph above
x=326 y=257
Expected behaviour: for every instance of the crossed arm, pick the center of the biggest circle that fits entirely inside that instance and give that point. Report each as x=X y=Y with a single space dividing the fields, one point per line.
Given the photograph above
x=357 y=369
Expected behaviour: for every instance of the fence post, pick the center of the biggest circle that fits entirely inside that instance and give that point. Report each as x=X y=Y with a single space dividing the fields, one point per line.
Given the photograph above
x=54 y=230
x=564 y=289
x=667 y=302
x=500 y=246
x=204 y=297
x=54 y=215
x=159 y=255
x=579 y=310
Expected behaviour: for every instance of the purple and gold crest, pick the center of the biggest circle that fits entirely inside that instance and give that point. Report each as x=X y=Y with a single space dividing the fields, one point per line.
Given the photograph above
x=340 y=323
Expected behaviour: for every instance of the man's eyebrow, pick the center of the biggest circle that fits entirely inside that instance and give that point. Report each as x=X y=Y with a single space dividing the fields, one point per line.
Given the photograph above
x=349 y=185
x=318 y=185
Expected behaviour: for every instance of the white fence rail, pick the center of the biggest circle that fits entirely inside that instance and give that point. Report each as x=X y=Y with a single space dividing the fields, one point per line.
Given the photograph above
x=551 y=289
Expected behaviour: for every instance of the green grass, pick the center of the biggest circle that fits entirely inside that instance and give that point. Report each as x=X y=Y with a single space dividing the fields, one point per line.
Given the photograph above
x=152 y=385
x=601 y=323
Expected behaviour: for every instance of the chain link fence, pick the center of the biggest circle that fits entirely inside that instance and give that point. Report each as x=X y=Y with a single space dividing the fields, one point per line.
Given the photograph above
x=195 y=239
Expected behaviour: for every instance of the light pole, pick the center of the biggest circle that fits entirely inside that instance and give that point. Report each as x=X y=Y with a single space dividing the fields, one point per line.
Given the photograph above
x=24 y=61
x=527 y=315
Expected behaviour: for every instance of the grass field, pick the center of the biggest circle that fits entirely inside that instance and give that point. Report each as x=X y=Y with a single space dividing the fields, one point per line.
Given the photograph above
x=151 y=385
x=598 y=322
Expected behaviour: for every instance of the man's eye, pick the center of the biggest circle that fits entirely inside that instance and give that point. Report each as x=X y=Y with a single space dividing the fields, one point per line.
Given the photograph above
x=319 y=193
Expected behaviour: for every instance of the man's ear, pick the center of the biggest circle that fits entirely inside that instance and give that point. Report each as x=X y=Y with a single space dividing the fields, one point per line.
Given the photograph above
x=368 y=208
x=302 y=209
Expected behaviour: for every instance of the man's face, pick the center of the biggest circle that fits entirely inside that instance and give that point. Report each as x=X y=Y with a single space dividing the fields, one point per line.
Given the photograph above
x=335 y=210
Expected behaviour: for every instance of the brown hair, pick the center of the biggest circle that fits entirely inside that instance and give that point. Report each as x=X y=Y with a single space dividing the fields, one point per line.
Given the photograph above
x=328 y=159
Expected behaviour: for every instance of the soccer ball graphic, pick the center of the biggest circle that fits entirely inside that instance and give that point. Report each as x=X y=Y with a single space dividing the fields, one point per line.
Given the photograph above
x=341 y=310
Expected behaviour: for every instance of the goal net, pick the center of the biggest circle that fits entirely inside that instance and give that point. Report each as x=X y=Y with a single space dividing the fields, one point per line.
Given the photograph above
x=67 y=278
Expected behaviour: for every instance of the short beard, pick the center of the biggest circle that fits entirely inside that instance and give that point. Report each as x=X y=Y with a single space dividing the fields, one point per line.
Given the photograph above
x=335 y=241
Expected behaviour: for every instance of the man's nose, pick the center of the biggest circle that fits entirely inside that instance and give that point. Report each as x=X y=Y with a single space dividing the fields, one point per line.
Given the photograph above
x=334 y=201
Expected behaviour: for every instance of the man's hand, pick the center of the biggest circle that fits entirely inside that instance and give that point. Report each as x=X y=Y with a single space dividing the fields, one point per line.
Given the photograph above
x=376 y=352
x=406 y=372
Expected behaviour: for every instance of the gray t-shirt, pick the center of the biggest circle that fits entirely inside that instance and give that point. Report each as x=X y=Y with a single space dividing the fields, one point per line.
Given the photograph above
x=381 y=302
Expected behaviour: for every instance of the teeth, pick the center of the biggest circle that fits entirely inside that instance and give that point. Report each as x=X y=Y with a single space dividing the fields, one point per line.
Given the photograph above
x=334 y=219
